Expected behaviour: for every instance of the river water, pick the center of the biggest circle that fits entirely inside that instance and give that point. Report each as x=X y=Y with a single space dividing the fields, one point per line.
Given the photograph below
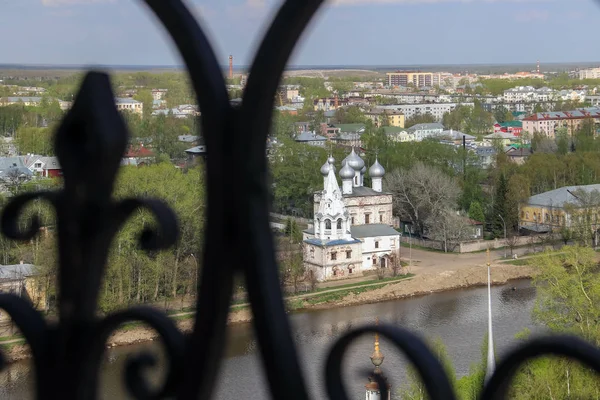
x=458 y=317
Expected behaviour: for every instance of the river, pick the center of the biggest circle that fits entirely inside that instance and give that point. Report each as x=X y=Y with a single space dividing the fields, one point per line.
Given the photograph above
x=458 y=317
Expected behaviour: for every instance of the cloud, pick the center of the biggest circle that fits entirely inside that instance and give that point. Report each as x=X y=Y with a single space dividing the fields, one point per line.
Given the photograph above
x=532 y=15
x=57 y=3
x=371 y=2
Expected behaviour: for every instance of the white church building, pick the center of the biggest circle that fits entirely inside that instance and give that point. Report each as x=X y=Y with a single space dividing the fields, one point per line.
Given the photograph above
x=352 y=230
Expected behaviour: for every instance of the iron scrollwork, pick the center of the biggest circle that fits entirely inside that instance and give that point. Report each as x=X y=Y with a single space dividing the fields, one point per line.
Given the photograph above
x=89 y=145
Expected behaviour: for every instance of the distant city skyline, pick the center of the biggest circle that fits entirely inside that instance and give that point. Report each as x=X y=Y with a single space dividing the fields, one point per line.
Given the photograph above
x=345 y=32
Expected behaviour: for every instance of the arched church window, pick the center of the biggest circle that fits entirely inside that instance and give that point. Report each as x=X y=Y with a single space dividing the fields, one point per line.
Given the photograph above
x=327 y=224
x=339 y=223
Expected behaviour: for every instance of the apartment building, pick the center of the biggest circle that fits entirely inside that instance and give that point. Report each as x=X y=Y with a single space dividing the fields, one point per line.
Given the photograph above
x=378 y=116
x=29 y=101
x=437 y=110
x=528 y=93
x=424 y=131
x=329 y=103
x=589 y=73
x=416 y=78
x=548 y=122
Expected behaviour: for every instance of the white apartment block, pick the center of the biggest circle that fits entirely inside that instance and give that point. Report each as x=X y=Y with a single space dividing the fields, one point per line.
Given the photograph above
x=437 y=110
x=589 y=73
x=528 y=94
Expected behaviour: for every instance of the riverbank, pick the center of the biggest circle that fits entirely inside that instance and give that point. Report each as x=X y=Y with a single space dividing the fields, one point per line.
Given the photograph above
x=421 y=284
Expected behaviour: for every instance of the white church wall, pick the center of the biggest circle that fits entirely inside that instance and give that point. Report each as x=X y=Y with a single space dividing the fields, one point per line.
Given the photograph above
x=320 y=260
x=386 y=245
x=375 y=206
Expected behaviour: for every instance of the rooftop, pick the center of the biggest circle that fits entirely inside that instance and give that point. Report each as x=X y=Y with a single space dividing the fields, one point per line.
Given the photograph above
x=428 y=126
x=126 y=100
x=372 y=230
x=581 y=113
x=561 y=196
x=346 y=128
x=15 y=272
x=309 y=137
x=325 y=243
x=364 y=191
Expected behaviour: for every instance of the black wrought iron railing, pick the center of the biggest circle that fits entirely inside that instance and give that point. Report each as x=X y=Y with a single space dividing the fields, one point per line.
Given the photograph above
x=89 y=144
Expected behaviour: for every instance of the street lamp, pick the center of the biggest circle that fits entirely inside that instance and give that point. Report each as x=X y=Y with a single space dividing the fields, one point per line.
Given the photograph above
x=504 y=223
x=409 y=249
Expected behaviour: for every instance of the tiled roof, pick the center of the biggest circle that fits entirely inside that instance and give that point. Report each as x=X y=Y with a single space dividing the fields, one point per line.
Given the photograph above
x=140 y=151
x=581 y=113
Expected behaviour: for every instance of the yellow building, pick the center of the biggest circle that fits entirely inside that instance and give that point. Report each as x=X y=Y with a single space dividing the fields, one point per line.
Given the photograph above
x=379 y=115
x=571 y=207
x=130 y=105
x=23 y=280
x=395 y=118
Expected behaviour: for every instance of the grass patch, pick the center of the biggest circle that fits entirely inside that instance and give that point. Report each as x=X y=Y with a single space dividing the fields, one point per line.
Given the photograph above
x=350 y=285
x=419 y=247
x=518 y=262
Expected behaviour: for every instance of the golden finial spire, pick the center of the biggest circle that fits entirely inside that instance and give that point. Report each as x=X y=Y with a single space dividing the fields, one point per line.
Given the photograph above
x=377 y=357
x=487 y=256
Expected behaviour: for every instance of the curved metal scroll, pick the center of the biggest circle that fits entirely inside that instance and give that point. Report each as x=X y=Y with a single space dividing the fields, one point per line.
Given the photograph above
x=90 y=144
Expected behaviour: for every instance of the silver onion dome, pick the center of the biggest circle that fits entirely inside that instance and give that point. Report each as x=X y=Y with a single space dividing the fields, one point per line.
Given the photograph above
x=355 y=161
x=331 y=160
x=376 y=170
x=325 y=168
x=346 y=172
x=363 y=170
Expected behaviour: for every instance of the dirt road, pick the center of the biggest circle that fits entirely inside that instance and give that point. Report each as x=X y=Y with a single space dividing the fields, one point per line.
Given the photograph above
x=432 y=261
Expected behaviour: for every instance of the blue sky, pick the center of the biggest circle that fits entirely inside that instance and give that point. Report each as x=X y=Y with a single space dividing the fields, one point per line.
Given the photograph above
x=355 y=32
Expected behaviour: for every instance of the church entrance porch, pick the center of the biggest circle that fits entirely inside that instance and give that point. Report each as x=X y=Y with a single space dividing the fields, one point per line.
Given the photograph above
x=382 y=262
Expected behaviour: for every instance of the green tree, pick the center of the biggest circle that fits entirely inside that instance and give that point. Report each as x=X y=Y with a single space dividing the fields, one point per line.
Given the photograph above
x=480 y=121
x=34 y=141
x=476 y=212
x=419 y=119
x=413 y=387
x=457 y=119
x=501 y=114
x=562 y=140
x=349 y=115
x=500 y=208
x=145 y=96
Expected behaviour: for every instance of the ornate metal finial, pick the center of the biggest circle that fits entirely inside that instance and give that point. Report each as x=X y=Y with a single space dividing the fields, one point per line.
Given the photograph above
x=487 y=256
x=377 y=357
x=90 y=143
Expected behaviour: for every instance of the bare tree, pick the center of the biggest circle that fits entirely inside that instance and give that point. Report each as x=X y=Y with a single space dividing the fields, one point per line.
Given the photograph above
x=448 y=227
x=380 y=273
x=311 y=278
x=395 y=263
x=512 y=241
x=421 y=192
x=583 y=213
